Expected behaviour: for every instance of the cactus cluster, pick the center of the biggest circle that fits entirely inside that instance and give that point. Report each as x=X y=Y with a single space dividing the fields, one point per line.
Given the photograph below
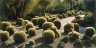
x=29 y=25
x=73 y=35
x=47 y=25
x=54 y=29
x=69 y=27
x=41 y=21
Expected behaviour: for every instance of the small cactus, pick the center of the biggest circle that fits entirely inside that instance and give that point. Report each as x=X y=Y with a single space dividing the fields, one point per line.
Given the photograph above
x=94 y=38
x=47 y=25
x=19 y=21
x=76 y=27
x=89 y=31
x=32 y=32
x=4 y=25
x=31 y=42
x=11 y=30
x=4 y=35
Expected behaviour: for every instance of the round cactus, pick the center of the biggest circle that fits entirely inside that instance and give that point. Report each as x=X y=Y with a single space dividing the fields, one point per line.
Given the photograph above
x=11 y=30
x=41 y=21
x=47 y=25
x=89 y=31
x=4 y=25
x=19 y=21
x=32 y=32
x=36 y=17
x=69 y=27
x=48 y=36
x=31 y=42
x=73 y=35
x=25 y=22
x=29 y=25
x=54 y=29
x=94 y=38
x=4 y=35
x=19 y=36
x=57 y=23
x=76 y=27
x=35 y=21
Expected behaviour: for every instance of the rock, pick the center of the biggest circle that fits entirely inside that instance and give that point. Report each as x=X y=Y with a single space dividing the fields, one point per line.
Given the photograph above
x=61 y=45
x=78 y=44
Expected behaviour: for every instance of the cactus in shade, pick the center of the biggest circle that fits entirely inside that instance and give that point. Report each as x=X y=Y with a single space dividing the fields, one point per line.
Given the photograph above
x=69 y=27
x=48 y=36
x=60 y=16
x=49 y=20
x=11 y=30
x=65 y=39
x=29 y=25
x=20 y=36
x=89 y=31
x=4 y=25
x=41 y=21
x=0 y=24
x=32 y=32
x=31 y=42
x=4 y=35
x=54 y=29
x=73 y=35
x=47 y=17
x=24 y=23
x=53 y=18
x=19 y=21
x=35 y=21
x=47 y=25
x=76 y=27
x=57 y=23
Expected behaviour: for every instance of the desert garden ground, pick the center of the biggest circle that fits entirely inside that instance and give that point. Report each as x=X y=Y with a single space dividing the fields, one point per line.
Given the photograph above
x=47 y=24
x=40 y=42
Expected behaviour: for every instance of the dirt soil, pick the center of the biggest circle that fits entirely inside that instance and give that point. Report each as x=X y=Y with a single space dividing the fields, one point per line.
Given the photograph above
x=40 y=42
